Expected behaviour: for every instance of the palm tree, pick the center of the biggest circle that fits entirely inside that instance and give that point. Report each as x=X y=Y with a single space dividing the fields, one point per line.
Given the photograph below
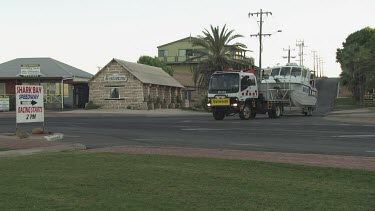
x=217 y=54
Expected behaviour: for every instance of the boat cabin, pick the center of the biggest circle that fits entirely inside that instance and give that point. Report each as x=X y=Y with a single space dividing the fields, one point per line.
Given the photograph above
x=293 y=73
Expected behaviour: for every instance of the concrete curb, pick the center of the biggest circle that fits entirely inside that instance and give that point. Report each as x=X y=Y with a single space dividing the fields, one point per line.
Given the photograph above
x=33 y=137
x=58 y=148
x=54 y=137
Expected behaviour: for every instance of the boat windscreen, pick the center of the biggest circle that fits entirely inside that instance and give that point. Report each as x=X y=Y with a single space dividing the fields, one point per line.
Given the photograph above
x=285 y=71
x=296 y=71
x=275 y=71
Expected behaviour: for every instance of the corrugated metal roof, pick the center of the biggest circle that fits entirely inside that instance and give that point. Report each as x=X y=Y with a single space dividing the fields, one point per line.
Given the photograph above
x=149 y=74
x=49 y=68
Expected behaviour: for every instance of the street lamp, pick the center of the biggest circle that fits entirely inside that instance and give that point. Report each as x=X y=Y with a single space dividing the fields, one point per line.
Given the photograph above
x=260 y=34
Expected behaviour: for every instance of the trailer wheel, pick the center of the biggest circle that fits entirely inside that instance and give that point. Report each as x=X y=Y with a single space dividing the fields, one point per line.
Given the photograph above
x=246 y=113
x=309 y=111
x=218 y=115
x=276 y=112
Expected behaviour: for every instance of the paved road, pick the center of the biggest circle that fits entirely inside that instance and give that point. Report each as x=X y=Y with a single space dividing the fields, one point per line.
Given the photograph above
x=294 y=133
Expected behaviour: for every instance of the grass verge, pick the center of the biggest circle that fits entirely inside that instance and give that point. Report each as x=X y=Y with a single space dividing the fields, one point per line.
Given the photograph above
x=4 y=149
x=105 y=181
x=347 y=103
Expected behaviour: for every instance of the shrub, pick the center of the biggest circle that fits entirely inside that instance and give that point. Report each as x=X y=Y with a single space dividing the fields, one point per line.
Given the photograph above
x=179 y=100
x=91 y=105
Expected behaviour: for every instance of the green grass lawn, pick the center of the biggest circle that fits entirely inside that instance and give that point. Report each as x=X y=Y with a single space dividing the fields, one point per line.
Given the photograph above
x=347 y=103
x=4 y=149
x=104 y=181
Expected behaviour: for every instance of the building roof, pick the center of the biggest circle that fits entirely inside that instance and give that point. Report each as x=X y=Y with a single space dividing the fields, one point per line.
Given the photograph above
x=49 y=68
x=174 y=42
x=147 y=74
x=184 y=77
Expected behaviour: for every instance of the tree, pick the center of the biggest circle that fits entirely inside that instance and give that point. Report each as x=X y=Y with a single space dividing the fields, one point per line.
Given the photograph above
x=217 y=53
x=357 y=60
x=148 y=60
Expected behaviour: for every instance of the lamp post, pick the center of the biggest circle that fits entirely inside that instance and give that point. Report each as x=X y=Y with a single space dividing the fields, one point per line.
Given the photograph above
x=260 y=35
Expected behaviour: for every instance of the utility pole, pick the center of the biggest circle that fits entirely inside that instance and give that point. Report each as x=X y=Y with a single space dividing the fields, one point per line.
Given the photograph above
x=288 y=54
x=318 y=66
x=321 y=67
x=260 y=35
x=301 y=45
x=314 y=55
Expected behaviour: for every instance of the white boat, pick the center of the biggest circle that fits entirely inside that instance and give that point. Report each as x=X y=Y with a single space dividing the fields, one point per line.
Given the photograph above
x=294 y=83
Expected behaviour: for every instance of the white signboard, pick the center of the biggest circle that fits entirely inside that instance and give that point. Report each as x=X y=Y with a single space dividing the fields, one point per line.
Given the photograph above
x=4 y=103
x=29 y=104
x=30 y=70
x=116 y=77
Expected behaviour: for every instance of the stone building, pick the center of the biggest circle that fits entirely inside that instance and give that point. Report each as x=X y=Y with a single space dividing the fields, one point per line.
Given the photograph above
x=122 y=84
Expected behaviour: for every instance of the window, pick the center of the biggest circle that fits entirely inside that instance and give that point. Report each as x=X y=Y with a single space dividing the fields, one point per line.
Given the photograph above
x=185 y=52
x=2 y=88
x=285 y=71
x=189 y=52
x=58 y=89
x=244 y=83
x=275 y=72
x=304 y=73
x=163 y=53
x=187 y=95
x=114 y=93
x=182 y=52
x=296 y=71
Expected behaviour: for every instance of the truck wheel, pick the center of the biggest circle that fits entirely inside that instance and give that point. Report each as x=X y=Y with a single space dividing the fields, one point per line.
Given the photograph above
x=275 y=112
x=246 y=113
x=218 y=115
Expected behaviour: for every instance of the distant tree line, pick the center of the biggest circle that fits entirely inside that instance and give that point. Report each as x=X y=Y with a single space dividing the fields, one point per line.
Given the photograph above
x=357 y=60
x=155 y=62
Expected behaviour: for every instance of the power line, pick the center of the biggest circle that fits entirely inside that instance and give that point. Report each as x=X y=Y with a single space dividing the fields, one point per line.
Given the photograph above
x=260 y=35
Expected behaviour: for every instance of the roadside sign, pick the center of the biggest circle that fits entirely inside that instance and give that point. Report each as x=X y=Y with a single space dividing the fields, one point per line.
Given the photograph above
x=29 y=104
x=30 y=70
x=4 y=103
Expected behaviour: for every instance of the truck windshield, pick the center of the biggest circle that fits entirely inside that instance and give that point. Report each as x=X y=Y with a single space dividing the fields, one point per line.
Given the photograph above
x=224 y=83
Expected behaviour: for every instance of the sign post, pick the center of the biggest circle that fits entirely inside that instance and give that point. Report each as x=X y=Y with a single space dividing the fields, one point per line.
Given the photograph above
x=29 y=104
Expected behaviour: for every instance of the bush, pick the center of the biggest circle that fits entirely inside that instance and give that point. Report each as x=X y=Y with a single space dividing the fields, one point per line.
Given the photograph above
x=91 y=105
x=178 y=98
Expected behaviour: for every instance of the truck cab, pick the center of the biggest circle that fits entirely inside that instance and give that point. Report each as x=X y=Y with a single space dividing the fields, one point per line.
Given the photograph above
x=232 y=92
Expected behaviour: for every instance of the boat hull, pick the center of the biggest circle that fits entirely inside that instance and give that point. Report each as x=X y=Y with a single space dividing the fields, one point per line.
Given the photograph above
x=301 y=96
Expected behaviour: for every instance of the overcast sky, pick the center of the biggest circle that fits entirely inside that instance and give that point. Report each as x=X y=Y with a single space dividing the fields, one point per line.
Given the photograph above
x=87 y=34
